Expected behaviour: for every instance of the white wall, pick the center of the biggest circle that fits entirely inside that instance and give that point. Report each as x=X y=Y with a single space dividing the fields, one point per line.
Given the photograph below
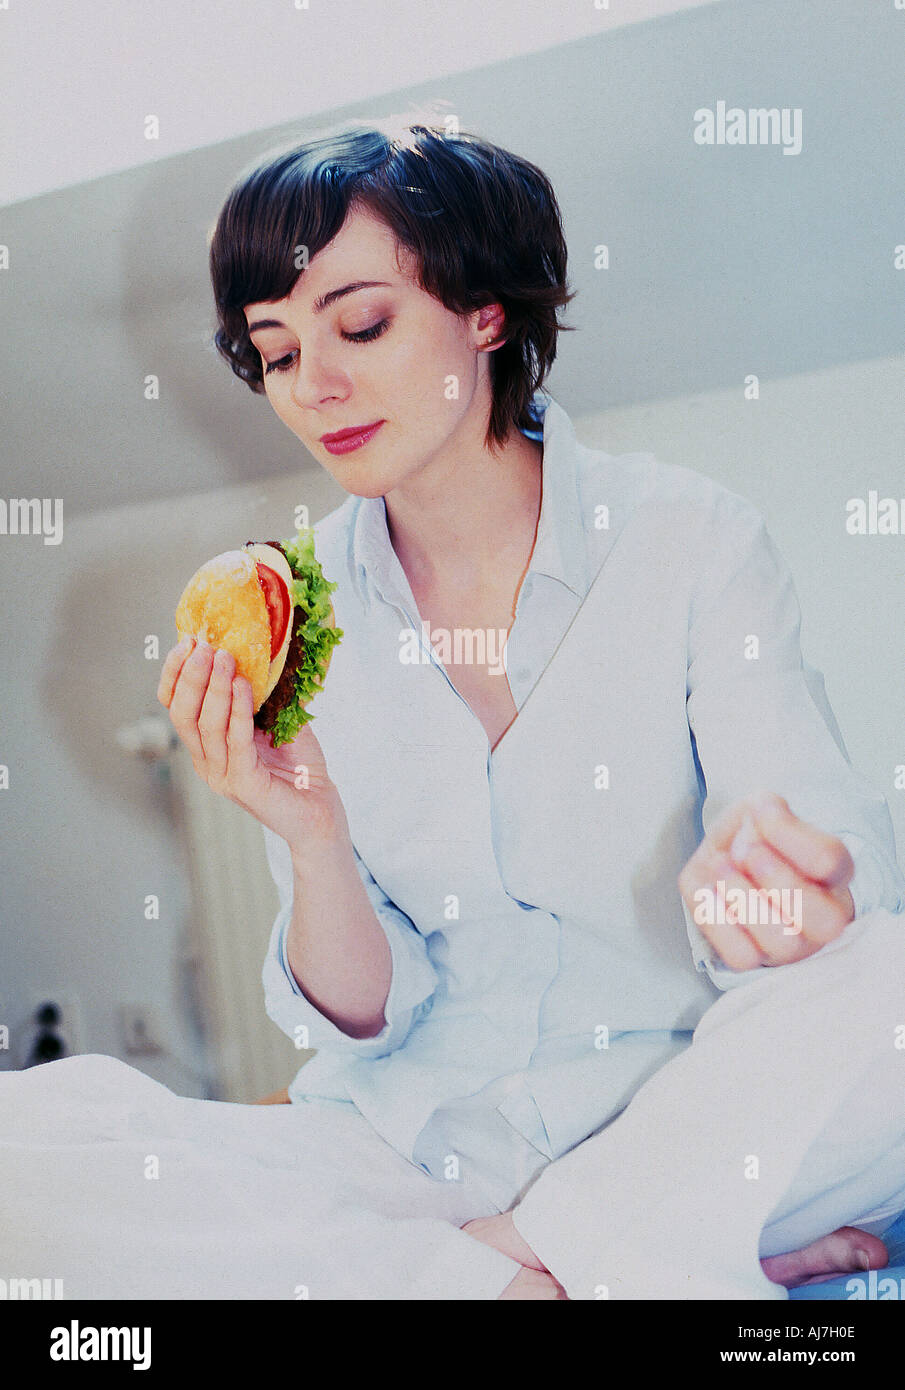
x=220 y=68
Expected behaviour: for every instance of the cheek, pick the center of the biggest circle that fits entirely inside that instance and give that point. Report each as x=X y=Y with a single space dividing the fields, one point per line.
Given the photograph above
x=425 y=360
x=281 y=405
x=285 y=409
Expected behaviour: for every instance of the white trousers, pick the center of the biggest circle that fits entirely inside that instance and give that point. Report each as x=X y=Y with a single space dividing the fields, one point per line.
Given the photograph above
x=784 y=1120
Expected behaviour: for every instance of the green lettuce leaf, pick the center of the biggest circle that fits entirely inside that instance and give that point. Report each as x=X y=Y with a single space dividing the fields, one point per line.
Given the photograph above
x=311 y=591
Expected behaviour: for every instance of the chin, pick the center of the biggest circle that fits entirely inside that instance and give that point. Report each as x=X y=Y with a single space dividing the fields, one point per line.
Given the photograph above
x=365 y=489
x=363 y=480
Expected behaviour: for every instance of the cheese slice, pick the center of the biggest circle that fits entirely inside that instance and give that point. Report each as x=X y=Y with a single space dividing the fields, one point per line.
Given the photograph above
x=276 y=560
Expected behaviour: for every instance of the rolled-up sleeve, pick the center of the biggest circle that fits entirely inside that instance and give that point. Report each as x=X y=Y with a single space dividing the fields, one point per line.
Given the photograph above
x=760 y=719
x=411 y=988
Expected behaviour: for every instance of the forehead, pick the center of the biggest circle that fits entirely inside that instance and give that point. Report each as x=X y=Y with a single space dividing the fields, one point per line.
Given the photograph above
x=364 y=248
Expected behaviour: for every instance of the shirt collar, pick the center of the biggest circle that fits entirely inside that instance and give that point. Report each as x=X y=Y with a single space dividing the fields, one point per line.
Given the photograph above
x=560 y=549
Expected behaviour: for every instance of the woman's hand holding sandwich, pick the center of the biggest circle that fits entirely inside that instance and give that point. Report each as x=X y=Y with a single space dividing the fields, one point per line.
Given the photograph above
x=286 y=788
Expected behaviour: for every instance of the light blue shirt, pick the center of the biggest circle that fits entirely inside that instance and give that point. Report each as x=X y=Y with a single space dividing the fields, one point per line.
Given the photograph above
x=544 y=963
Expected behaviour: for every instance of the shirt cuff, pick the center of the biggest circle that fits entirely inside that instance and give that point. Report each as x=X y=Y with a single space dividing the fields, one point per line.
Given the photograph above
x=877 y=881
x=706 y=959
x=411 y=986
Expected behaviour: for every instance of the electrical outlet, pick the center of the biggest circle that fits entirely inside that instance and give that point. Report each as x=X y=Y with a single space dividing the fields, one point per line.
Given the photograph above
x=139 y=1030
x=68 y=1027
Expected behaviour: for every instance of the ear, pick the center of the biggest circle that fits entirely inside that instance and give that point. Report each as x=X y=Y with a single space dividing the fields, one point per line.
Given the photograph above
x=489 y=326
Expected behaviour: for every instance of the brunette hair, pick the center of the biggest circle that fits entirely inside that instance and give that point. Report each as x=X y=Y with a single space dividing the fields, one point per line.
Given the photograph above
x=483 y=225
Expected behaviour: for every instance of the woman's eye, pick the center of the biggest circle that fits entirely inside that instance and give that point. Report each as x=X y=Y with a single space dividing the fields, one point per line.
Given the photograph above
x=366 y=335
x=281 y=365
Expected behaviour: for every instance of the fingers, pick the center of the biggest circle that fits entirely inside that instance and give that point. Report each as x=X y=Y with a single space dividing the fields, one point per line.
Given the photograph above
x=704 y=883
x=816 y=916
x=723 y=830
x=775 y=913
x=188 y=697
x=214 y=717
x=212 y=711
x=172 y=666
x=817 y=855
x=761 y=886
x=242 y=752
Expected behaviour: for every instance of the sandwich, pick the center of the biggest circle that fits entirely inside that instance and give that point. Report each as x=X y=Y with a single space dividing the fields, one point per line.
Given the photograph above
x=269 y=605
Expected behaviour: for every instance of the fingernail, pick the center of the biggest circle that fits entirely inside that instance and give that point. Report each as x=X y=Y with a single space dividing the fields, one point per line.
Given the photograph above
x=863 y=1258
x=745 y=838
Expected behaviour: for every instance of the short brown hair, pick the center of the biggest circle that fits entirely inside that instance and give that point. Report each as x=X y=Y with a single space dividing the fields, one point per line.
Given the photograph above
x=483 y=225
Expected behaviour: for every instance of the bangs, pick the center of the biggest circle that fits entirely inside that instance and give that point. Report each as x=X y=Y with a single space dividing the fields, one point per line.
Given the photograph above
x=256 y=252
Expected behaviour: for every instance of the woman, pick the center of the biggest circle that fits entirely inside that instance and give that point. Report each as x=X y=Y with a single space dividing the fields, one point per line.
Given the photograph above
x=483 y=989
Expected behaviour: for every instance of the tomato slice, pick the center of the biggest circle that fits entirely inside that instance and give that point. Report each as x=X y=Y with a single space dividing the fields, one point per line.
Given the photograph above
x=279 y=605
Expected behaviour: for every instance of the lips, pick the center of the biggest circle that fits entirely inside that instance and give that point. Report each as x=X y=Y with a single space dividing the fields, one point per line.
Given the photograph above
x=346 y=440
x=349 y=433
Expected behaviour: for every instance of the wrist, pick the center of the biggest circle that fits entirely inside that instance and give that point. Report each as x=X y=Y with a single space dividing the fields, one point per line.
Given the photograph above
x=323 y=830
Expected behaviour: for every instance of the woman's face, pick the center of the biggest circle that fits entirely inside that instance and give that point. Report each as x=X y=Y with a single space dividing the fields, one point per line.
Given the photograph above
x=329 y=378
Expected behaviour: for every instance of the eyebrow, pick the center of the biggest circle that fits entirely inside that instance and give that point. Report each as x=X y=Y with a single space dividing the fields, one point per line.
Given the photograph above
x=323 y=302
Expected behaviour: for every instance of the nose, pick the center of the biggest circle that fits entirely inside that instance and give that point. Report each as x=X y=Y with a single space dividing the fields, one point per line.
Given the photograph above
x=316 y=380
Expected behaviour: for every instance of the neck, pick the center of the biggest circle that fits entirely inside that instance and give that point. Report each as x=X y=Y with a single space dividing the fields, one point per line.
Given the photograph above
x=467 y=520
